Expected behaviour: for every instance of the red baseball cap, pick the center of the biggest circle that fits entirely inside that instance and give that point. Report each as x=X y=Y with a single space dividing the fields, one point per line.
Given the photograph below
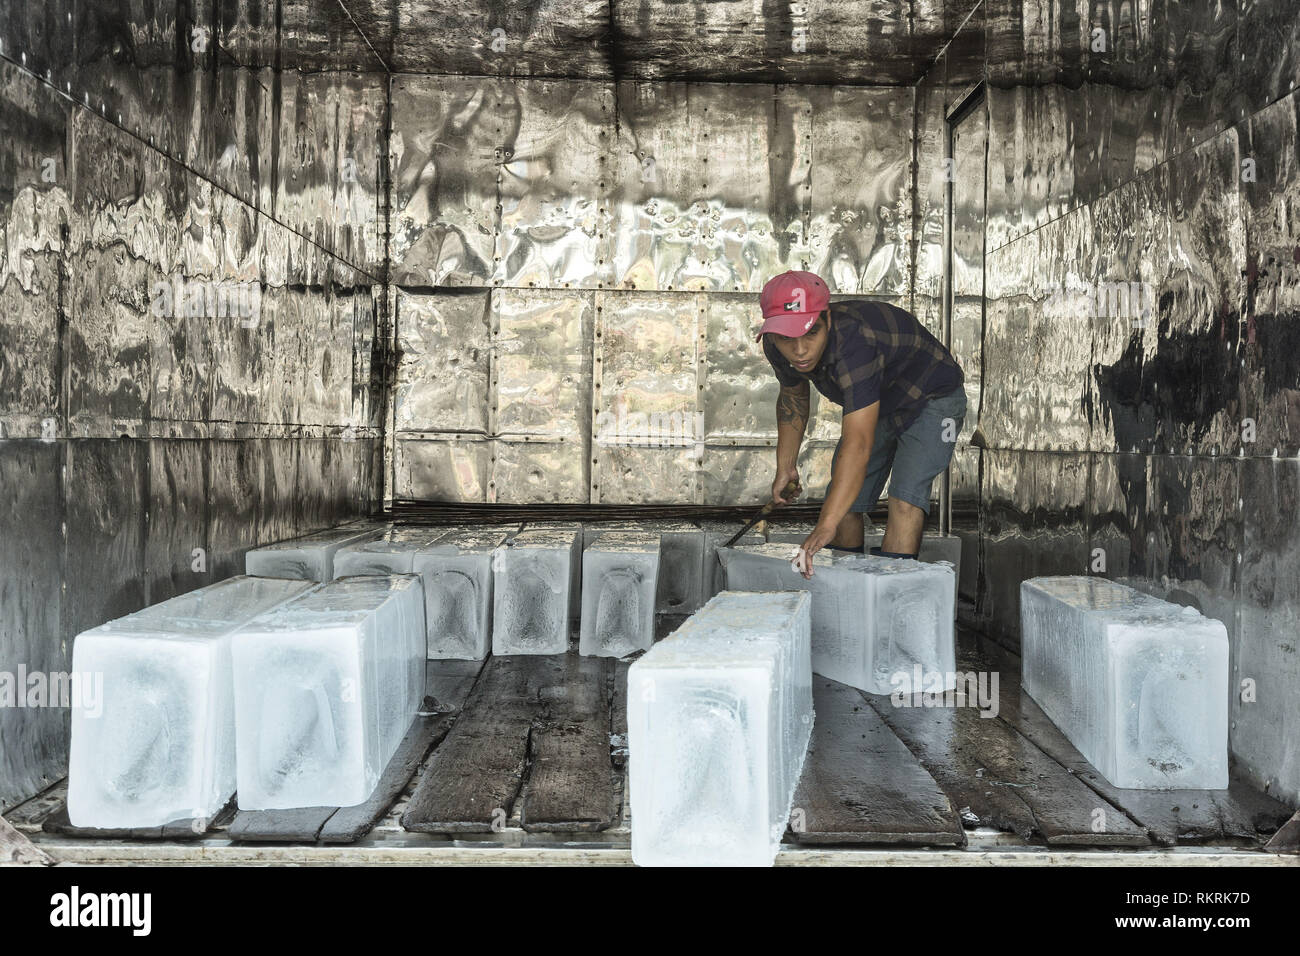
x=791 y=303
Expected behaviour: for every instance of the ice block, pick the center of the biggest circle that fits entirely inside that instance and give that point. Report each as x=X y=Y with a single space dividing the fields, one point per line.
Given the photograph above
x=681 y=562
x=619 y=572
x=326 y=687
x=162 y=746
x=575 y=572
x=719 y=718
x=390 y=553
x=457 y=575
x=309 y=558
x=1138 y=685
x=883 y=625
x=789 y=532
x=532 y=591
x=716 y=534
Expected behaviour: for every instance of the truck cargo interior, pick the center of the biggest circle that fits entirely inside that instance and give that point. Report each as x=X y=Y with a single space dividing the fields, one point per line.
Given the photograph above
x=382 y=387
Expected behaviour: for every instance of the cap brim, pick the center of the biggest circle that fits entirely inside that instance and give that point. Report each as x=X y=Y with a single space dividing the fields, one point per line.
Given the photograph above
x=793 y=325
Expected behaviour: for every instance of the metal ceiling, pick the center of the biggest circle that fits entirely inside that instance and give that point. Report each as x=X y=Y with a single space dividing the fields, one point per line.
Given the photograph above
x=847 y=42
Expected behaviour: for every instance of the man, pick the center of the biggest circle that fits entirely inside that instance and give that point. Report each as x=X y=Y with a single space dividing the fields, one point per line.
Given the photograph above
x=903 y=397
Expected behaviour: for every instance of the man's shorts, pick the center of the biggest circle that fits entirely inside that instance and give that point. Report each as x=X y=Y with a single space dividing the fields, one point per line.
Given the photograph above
x=912 y=459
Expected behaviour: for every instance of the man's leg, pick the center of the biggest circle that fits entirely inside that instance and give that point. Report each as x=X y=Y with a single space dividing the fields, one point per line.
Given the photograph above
x=924 y=450
x=849 y=532
x=903 y=528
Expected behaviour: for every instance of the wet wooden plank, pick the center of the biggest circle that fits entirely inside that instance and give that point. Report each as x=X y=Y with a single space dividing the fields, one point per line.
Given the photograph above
x=297 y=825
x=860 y=783
x=186 y=829
x=618 y=716
x=997 y=777
x=471 y=782
x=1169 y=816
x=570 y=784
x=447 y=684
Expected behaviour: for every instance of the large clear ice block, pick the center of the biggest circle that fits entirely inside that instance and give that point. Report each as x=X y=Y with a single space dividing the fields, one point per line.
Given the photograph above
x=719 y=718
x=716 y=534
x=788 y=532
x=1138 y=685
x=390 y=553
x=309 y=558
x=457 y=575
x=157 y=743
x=883 y=625
x=681 y=562
x=326 y=687
x=532 y=591
x=619 y=575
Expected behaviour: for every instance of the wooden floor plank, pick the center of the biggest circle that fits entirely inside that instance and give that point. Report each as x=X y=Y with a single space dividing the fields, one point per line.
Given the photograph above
x=447 y=684
x=297 y=825
x=1170 y=816
x=618 y=716
x=570 y=783
x=186 y=829
x=860 y=784
x=997 y=777
x=472 y=780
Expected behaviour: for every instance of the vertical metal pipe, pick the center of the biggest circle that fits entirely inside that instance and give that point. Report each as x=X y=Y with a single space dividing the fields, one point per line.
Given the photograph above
x=945 y=310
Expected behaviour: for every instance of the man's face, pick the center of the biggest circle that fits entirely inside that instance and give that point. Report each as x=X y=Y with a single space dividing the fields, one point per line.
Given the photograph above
x=804 y=351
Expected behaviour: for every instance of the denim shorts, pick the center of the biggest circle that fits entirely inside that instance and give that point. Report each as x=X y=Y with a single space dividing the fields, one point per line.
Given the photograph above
x=912 y=459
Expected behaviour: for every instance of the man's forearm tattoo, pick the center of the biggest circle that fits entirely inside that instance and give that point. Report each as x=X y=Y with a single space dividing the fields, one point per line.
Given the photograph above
x=792 y=408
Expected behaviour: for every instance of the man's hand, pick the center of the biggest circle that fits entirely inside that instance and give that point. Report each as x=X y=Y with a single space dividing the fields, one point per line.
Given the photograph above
x=783 y=477
x=820 y=537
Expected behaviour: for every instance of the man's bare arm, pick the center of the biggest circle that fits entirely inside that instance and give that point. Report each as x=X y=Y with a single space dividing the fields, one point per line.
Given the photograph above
x=792 y=406
x=791 y=421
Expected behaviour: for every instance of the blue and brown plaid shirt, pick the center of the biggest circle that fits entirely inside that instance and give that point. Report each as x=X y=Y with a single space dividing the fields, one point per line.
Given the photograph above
x=876 y=352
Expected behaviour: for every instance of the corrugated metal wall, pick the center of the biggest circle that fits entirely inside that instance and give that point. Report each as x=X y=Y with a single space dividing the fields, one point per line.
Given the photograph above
x=1141 y=389
x=225 y=148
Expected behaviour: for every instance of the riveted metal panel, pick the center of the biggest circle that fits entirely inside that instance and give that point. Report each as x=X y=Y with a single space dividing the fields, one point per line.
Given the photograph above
x=1116 y=509
x=1264 y=734
x=1007 y=499
x=30 y=377
x=737 y=475
x=1268 y=51
x=861 y=201
x=358 y=231
x=554 y=179
x=541 y=364
x=644 y=406
x=1270 y=375
x=105 y=503
x=538 y=472
x=442 y=378
x=451 y=469
x=178 y=515
x=932 y=174
x=691 y=200
x=1132 y=248
x=740 y=389
x=33 y=740
x=1199 y=305
x=446 y=136
x=814 y=467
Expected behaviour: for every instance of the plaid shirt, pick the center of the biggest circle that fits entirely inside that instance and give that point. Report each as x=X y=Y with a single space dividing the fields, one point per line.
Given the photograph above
x=876 y=352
